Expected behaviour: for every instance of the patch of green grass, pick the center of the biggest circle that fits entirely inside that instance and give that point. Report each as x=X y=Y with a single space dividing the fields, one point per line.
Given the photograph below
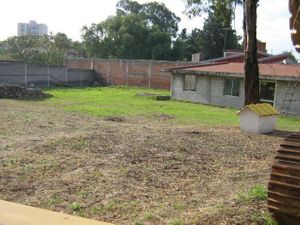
x=124 y=101
x=178 y=206
x=257 y=192
x=82 y=194
x=98 y=174
x=138 y=223
x=96 y=210
x=289 y=123
x=149 y=216
x=177 y=222
x=75 y=206
x=79 y=145
x=264 y=218
x=4 y=148
x=111 y=205
x=125 y=172
x=55 y=200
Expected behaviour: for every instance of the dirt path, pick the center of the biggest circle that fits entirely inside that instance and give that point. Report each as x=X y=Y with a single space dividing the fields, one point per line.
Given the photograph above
x=129 y=171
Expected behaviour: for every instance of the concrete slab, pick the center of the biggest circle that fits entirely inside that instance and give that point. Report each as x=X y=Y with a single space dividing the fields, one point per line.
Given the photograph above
x=17 y=214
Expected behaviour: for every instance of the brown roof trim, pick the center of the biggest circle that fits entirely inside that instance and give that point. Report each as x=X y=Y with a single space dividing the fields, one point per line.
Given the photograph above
x=227 y=74
x=269 y=59
x=171 y=69
x=233 y=75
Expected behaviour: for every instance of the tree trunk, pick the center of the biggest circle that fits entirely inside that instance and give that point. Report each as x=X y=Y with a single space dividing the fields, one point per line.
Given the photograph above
x=250 y=53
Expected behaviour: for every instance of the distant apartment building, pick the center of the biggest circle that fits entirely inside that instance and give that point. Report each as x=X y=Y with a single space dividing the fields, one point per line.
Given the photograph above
x=32 y=28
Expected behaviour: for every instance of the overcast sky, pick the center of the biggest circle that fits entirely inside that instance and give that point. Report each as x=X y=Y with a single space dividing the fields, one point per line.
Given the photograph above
x=68 y=16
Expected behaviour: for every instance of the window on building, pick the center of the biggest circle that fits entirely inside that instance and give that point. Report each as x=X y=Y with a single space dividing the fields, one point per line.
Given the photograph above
x=267 y=92
x=232 y=87
x=189 y=83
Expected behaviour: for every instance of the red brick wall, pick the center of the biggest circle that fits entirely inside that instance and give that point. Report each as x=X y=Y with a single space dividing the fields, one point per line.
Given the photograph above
x=141 y=73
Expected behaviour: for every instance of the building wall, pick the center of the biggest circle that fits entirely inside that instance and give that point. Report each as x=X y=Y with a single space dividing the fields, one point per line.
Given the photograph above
x=32 y=28
x=209 y=90
x=281 y=90
x=218 y=97
x=202 y=93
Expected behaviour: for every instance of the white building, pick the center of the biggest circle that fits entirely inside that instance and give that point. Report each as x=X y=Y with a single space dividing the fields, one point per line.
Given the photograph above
x=32 y=28
x=223 y=84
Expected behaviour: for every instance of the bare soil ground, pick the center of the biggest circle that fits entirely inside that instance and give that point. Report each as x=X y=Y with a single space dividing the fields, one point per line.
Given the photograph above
x=130 y=170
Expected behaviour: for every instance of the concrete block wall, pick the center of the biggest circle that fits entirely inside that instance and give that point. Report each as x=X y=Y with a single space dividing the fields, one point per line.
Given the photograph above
x=141 y=73
x=201 y=94
x=280 y=91
x=218 y=97
x=209 y=90
x=19 y=73
x=12 y=73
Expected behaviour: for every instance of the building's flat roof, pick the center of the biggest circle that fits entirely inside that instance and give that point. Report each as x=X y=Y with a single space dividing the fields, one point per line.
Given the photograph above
x=277 y=71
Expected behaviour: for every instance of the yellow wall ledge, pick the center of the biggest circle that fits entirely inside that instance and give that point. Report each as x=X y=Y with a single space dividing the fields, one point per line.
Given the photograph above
x=16 y=214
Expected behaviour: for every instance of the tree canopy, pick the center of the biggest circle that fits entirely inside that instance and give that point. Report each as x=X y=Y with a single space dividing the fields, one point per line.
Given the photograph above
x=198 y=7
x=137 y=31
x=217 y=33
x=154 y=13
x=47 y=49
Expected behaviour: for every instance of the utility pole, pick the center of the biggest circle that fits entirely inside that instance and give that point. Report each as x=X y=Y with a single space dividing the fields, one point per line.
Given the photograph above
x=225 y=39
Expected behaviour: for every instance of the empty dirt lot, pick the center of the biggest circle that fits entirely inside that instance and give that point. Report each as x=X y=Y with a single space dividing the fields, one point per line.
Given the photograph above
x=130 y=170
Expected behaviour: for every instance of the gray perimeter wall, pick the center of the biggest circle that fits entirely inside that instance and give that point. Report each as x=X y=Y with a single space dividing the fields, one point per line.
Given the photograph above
x=18 y=73
x=209 y=90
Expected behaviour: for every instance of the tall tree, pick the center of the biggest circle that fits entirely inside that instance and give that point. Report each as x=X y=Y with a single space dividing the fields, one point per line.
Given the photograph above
x=137 y=31
x=251 y=83
x=125 y=7
x=154 y=13
x=294 y=7
x=198 y=7
x=92 y=36
x=41 y=50
x=217 y=33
